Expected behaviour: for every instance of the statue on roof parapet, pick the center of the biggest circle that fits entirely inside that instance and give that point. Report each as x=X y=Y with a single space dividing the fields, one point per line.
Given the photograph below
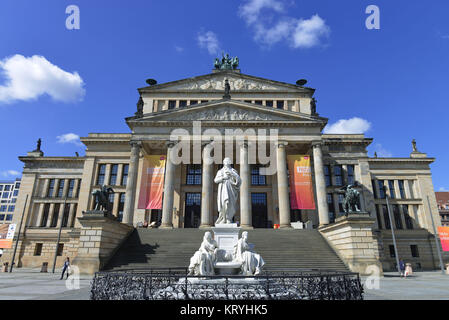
x=226 y=62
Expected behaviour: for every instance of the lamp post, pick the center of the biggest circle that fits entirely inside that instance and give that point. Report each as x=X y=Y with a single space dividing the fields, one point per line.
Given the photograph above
x=59 y=235
x=18 y=234
x=392 y=231
x=436 y=236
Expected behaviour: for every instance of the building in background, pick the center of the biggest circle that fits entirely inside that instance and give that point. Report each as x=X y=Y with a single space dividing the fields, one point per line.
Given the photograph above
x=443 y=207
x=9 y=191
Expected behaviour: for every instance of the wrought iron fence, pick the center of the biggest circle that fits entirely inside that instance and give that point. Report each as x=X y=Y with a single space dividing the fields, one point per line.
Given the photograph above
x=174 y=284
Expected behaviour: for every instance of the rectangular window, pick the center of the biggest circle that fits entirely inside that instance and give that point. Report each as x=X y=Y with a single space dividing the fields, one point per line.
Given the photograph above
x=269 y=103
x=121 y=206
x=2 y=217
x=7 y=188
x=391 y=188
x=15 y=193
x=259 y=102
x=101 y=174
x=392 y=252
x=51 y=188
x=38 y=249
x=381 y=185
x=171 y=104
x=54 y=219
x=379 y=219
x=331 y=208
x=414 y=250
x=182 y=103
x=338 y=175
x=3 y=208
x=280 y=104
x=5 y=195
x=327 y=176
x=65 y=217
x=71 y=186
x=60 y=249
x=45 y=215
x=408 y=219
x=61 y=188
x=113 y=177
x=1 y=187
x=397 y=216
x=341 y=197
x=192 y=102
x=351 y=174
x=11 y=208
x=248 y=101
x=9 y=217
x=256 y=178
x=386 y=217
x=125 y=174
x=401 y=188
x=193 y=174
x=17 y=185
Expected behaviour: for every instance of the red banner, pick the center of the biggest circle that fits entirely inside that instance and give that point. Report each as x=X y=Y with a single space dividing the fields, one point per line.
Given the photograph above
x=301 y=189
x=444 y=237
x=7 y=235
x=152 y=185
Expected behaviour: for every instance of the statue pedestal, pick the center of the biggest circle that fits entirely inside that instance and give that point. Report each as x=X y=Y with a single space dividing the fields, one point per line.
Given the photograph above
x=226 y=236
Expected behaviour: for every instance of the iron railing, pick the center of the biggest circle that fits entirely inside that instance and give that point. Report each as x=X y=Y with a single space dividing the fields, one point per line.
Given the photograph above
x=174 y=284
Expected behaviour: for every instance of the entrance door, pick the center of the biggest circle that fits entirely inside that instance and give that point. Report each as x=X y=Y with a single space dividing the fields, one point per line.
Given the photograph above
x=259 y=210
x=192 y=213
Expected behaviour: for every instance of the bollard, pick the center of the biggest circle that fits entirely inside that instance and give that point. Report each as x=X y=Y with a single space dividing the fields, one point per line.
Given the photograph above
x=44 y=267
x=447 y=268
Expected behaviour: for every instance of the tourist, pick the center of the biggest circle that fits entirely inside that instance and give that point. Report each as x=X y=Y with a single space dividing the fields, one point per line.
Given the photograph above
x=66 y=267
x=402 y=267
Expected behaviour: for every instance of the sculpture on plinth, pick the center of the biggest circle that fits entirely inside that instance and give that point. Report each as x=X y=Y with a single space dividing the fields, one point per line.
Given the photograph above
x=203 y=261
x=229 y=183
x=226 y=63
x=252 y=263
x=102 y=202
x=351 y=201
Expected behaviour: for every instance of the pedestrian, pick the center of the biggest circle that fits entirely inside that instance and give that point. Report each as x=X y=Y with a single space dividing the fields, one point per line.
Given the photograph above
x=402 y=267
x=65 y=267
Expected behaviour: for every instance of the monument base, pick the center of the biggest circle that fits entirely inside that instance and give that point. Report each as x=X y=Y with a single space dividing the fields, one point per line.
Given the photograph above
x=226 y=236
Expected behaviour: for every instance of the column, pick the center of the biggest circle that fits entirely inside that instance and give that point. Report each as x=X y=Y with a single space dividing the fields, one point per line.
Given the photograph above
x=75 y=188
x=50 y=214
x=45 y=188
x=119 y=174
x=128 y=211
x=320 y=184
x=245 y=196
x=71 y=213
x=207 y=187
x=40 y=214
x=61 y=214
x=284 y=198
x=66 y=188
x=167 y=205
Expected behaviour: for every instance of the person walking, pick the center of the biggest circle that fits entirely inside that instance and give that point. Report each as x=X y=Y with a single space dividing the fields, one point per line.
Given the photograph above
x=65 y=268
x=402 y=267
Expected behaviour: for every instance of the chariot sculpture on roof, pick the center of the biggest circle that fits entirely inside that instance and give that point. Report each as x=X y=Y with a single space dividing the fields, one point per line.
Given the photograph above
x=226 y=62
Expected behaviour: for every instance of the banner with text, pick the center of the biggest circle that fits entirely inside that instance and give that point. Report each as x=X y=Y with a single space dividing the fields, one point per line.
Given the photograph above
x=7 y=235
x=152 y=185
x=301 y=189
x=444 y=237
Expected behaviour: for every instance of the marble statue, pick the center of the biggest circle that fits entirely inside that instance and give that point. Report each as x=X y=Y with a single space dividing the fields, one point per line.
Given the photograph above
x=228 y=190
x=351 y=201
x=202 y=262
x=415 y=149
x=252 y=263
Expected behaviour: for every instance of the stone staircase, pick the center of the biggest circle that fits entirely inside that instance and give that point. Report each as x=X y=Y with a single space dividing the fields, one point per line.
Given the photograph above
x=281 y=249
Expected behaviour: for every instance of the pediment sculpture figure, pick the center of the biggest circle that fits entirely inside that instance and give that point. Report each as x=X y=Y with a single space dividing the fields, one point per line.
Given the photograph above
x=252 y=263
x=202 y=262
x=228 y=190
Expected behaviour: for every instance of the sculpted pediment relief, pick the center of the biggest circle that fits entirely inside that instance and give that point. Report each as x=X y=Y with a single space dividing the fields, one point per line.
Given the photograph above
x=225 y=114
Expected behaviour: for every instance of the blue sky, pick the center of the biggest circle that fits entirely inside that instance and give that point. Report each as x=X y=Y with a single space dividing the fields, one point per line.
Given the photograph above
x=395 y=78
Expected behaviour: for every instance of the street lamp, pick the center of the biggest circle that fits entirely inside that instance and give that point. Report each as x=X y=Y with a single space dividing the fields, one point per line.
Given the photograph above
x=392 y=230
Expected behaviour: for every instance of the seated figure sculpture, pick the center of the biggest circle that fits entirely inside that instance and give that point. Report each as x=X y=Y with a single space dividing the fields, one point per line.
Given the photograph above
x=252 y=262
x=202 y=262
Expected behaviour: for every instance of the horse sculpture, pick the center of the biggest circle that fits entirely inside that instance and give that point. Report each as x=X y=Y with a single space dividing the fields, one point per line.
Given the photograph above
x=351 y=201
x=102 y=198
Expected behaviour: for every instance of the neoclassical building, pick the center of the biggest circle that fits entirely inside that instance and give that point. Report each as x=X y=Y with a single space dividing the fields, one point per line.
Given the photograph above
x=59 y=189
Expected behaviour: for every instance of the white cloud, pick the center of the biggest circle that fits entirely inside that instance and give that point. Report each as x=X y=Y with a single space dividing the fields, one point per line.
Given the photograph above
x=10 y=173
x=308 y=33
x=443 y=189
x=179 y=49
x=69 y=138
x=298 y=33
x=348 y=126
x=209 y=41
x=27 y=78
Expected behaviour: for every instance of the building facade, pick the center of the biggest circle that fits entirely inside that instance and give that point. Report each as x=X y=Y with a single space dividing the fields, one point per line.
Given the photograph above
x=227 y=103
x=9 y=191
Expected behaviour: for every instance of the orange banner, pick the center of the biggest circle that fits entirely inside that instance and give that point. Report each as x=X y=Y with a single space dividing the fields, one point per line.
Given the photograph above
x=444 y=237
x=7 y=235
x=152 y=185
x=301 y=189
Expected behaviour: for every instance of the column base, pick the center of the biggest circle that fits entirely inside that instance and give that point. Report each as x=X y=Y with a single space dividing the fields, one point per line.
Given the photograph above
x=166 y=226
x=205 y=226
x=285 y=226
x=247 y=227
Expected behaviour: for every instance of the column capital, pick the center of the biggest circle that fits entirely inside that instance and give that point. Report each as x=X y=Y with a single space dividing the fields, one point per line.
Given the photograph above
x=317 y=144
x=170 y=144
x=282 y=144
x=136 y=144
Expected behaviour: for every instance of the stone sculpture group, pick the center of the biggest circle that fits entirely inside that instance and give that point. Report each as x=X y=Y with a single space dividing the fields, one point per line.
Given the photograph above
x=229 y=252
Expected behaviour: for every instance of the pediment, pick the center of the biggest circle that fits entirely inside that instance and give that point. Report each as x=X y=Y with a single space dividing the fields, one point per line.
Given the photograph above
x=229 y=111
x=216 y=82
